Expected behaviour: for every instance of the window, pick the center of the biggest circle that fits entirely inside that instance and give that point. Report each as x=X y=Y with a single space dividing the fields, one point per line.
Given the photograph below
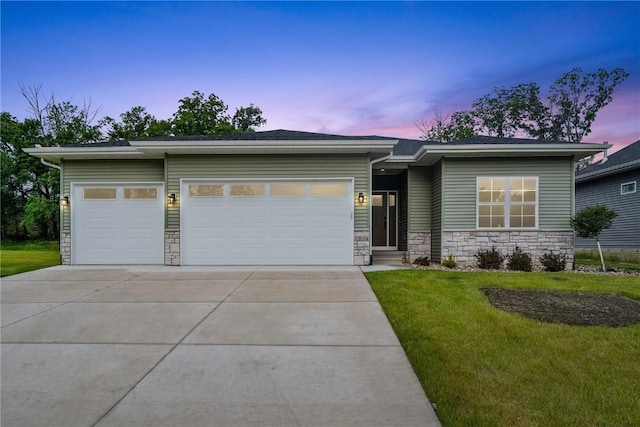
x=246 y=190
x=328 y=190
x=628 y=187
x=140 y=193
x=288 y=190
x=205 y=190
x=99 y=193
x=507 y=202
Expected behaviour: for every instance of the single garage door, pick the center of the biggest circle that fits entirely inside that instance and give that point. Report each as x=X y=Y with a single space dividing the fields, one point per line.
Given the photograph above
x=117 y=224
x=267 y=223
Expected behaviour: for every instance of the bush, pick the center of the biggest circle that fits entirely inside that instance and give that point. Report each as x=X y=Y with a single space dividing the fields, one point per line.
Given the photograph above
x=519 y=261
x=449 y=261
x=424 y=261
x=490 y=259
x=553 y=262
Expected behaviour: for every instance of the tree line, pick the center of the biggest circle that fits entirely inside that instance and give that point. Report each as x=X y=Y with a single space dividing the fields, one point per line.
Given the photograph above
x=566 y=114
x=30 y=190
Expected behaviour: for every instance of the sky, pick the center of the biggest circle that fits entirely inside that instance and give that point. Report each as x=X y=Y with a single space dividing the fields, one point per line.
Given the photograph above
x=351 y=68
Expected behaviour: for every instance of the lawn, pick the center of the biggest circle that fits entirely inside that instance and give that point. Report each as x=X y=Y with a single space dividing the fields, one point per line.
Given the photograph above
x=610 y=261
x=20 y=257
x=485 y=367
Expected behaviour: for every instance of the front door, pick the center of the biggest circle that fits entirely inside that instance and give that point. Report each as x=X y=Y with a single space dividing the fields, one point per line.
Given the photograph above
x=384 y=217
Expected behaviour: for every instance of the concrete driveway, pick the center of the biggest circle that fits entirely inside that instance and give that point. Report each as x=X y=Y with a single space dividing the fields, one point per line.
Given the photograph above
x=166 y=346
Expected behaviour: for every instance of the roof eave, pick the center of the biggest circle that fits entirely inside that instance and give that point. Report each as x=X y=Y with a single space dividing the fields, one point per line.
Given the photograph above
x=608 y=171
x=266 y=147
x=430 y=154
x=56 y=154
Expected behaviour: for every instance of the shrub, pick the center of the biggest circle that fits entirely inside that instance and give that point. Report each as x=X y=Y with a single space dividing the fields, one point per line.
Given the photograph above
x=553 y=262
x=449 y=261
x=423 y=260
x=519 y=261
x=490 y=259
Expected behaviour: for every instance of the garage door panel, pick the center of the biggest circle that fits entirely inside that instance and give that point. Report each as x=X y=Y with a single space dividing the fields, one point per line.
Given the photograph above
x=267 y=230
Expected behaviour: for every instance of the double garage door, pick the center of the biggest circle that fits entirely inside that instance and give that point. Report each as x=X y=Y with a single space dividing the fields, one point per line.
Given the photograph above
x=272 y=222
x=222 y=223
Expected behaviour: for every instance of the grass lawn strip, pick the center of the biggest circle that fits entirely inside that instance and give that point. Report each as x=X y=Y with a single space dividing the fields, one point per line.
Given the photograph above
x=485 y=366
x=20 y=258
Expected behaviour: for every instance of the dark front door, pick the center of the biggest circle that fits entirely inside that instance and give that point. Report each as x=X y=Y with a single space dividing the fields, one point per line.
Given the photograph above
x=384 y=217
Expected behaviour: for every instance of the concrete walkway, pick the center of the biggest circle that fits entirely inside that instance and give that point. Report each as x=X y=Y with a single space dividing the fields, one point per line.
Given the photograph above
x=166 y=346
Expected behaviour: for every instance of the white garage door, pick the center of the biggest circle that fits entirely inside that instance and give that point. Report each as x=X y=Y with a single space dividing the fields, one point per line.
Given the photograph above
x=117 y=224
x=267 y=223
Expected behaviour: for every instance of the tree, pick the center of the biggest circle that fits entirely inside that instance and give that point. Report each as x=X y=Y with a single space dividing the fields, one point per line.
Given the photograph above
x=570 y=109
x=247 y=119
x=60 y=123
x=507 y=112
x=30 y=190
x=459 y=125
x=591 y=221
x=576 y=97
x=208 y=116
x=136 y=124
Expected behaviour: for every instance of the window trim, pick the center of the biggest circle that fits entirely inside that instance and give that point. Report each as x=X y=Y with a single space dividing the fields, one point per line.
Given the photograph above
x=507 y=202
x=624 y=193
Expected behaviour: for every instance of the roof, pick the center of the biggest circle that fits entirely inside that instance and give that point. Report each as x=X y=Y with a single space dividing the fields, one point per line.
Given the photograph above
x=621 y=161
x=296 y=142
x=266 y=142
x=429 y=152
x=269 y=135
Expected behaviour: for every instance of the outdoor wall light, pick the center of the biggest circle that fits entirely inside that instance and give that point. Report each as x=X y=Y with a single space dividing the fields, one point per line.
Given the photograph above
x=360 y=197
x=64 y=201
x=172 y=198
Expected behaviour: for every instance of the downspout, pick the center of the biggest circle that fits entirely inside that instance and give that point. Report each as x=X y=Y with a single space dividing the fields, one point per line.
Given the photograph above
x=51 y=165
x=371 y=163
x=44 y=162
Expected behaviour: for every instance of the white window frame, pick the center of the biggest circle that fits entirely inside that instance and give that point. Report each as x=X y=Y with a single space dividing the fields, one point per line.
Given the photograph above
x=623 y=192
x=507 y=203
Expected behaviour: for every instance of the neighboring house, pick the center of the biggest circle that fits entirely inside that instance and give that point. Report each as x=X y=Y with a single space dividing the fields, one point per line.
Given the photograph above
x=286 y=197
x=614 y=183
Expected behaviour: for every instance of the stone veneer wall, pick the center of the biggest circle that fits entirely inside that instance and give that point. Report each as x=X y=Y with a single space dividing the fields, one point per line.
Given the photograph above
x=172 y=247
x=65 y=248
x=418 y=245
x=465 y=244
x=361 y=255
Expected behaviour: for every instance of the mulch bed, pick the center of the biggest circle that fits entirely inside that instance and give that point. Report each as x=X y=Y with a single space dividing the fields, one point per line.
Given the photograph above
x=570 y=308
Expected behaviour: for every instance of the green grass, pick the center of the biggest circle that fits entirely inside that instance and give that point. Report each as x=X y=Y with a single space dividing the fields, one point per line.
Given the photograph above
x=487 y=367
x=21 y=257
x=610 y=261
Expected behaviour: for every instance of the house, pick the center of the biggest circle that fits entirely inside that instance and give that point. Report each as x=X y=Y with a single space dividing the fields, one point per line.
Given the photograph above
x=613 y=182
x=287 y=197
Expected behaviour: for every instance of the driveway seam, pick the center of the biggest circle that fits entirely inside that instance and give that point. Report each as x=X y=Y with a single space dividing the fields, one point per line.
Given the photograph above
x=60 y=304
x=168 y=353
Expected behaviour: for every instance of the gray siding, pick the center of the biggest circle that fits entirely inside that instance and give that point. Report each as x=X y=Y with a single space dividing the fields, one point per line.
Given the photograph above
x=265 y=167
x=436 y=213
x=419 y=188
x=625 y=231
x=108 y=171
x=554 y=184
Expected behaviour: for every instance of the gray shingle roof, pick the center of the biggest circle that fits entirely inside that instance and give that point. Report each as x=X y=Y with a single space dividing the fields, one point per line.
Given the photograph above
x=269 y=135
x=629 y=154
x=408 y=147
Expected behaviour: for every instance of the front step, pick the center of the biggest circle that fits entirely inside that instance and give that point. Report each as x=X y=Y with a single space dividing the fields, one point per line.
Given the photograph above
x=388 y=258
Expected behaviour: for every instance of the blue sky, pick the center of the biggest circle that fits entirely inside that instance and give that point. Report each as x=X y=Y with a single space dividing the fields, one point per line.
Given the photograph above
x=336 y=67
